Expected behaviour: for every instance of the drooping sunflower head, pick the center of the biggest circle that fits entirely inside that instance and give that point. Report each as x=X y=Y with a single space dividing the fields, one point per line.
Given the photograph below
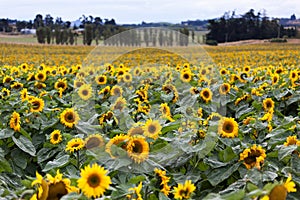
x=138 y=149
x=168 y=88
x=184 y=191
x=85 y=91
x=105 y=91
x=253 y=157
x=94 y=141
x=268 y=104
x=55 y=137
x=16 y=85
x=152 y=128
x=69 y=117
x=5 y=93
x=74 y=145
x=7 y=79
x=228 y=127
x=224 y=88
x=93 y=181
x=101 y=79
x=15 y=121
x=116 y=91
x=37 y=104
x=206 y=95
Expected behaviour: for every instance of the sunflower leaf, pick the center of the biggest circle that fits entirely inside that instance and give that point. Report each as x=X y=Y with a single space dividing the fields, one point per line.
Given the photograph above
x=25 y=145
x=59 y=162
x=6 y=133
x=286 y=151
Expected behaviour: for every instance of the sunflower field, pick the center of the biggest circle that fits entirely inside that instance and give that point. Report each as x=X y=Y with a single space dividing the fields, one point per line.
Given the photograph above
x=150 y=124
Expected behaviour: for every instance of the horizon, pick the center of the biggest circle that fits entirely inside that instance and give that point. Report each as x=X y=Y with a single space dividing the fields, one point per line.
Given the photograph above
x=145 y=11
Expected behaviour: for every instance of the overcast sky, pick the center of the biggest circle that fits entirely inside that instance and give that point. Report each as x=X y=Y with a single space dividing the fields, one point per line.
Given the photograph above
x=136 y=11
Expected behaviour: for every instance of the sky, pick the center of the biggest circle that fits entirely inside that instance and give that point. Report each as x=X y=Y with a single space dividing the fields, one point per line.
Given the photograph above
x=136 y=11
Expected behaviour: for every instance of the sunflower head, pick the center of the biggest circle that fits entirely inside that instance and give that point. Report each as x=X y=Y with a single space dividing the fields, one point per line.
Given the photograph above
x=206 y=94
x=37 y=104
x=85 y=91
x=152 y=129
x=69 y=117
x=228 y=127
x=186 y=76
x=101 y=79
x=138 y=149
x=119 y=141
x=15 y=121
x=120 y=104
x=253 y=156
x=61 y=83
x=74 y=145
x=94 y=141
x=292 y=140
x=184 y=191
x=41 y=76
x=268 y=104
x=116 y=91
x=224 y=88
x=55 y=137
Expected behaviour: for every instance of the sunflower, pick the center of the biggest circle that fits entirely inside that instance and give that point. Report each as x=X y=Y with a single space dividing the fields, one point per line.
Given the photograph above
x=246 y=69
x=164 y=180
x=228 y=127
x=138 y=149
x=78 y=83
x=116 y=91
x=93 y=181
x=5 y=92
x=37 y=104
x=105 y=91
x=7 y=79
x=280 y=191
x=206 y=95
x=24 y=94
x=41 y=76
x=268 y=104
x=224 y=88
x=194 y=90
x=275 y=79
x=24 y=67
x=166 y=112
x=137 y=130
x=55 y=137
x=117 y=141
x=69 y=117
x=15 y=121
x=16 y=85
x=101 y=79
x=234 y=78
x=105 y=117
x=75 y=144
x=93 y=141
x=127 y=77
x=136 y=192
x=184 y=191
x=52 y=187
x=85 y=91
x=186 y=76
x=292 y=140
x=253 y=157
x=137 y=71
x=168 y=88
x=293 y=75
x=223 y=71
x=152 y=128
x=61 y=83
x=120 y=104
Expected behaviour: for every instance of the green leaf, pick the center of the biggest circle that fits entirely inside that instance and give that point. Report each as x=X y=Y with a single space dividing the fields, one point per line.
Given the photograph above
x=6 y=133
x=59 y=162
x=236 y=195
x=45 y=154
x=4 y=165
x=227 y=154
x=25 y=144
x=286 y=151
x=136 y=179
x=269 y=176
x=218 y=175
x=163 y=197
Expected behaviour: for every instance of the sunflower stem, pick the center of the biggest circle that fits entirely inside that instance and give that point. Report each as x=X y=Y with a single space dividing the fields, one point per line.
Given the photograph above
x=78 y=159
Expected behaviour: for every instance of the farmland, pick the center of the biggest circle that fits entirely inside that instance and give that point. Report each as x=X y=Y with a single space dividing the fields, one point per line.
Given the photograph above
x=84 y=122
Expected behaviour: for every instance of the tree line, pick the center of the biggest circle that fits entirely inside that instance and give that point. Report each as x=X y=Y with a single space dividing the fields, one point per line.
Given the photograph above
x=95 y=29
x=230 y=28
